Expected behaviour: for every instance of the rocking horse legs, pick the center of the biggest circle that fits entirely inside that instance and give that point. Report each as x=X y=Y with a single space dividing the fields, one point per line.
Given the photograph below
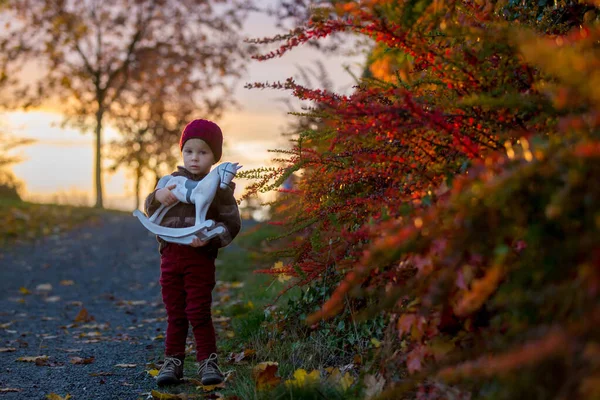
x=204 y=235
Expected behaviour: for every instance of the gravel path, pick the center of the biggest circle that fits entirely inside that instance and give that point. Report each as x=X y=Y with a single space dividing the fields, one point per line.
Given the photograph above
x=110 y=271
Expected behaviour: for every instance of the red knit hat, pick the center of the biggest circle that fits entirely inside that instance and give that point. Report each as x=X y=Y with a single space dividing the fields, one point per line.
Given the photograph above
x=207 y=131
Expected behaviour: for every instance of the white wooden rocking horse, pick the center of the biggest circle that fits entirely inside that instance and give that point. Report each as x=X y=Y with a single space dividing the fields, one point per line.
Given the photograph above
x=201 y=194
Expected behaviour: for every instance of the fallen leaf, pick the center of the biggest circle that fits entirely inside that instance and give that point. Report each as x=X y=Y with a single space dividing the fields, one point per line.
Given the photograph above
x=167 y=396
x=376 y=343
x=34 y=359
x=153 y=372
x=373 y=386
x=52 y=299
x=6 y=325
x=7 y=349
x=126 y=365
x=83 y=316
x=67 y=282
x=44 y=287
x=101 y=374
x=337 y=379
x=210 y=388
x=54 y=396
x=303 y=378
x=79 y=360
x=346 y=381
x=264 y=375
x=24 y=290
x=237 y=358
x=8 y=390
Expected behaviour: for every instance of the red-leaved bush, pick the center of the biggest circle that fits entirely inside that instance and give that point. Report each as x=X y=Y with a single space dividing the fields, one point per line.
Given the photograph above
x=456 y=190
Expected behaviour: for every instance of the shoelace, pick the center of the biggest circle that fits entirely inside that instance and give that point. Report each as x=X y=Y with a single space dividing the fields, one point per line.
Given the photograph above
x=170 y=363
x=210 y=365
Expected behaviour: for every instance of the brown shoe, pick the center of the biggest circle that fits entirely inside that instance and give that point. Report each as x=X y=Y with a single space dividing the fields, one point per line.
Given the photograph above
x=171 y=372
x=209 y=371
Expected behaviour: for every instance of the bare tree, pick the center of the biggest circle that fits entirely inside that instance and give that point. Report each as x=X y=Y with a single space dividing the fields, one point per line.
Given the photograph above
x=90 y=52
x=9 y=185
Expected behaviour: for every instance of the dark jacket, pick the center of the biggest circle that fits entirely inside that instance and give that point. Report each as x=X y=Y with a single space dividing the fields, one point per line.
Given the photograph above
x=223 y=210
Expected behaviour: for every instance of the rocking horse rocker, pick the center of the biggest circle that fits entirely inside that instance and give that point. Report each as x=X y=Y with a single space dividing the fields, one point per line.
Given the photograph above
x=201 y=194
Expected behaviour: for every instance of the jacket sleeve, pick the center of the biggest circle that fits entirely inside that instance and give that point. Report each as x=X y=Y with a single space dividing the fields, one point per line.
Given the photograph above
x=229 y=216
x=151 y=204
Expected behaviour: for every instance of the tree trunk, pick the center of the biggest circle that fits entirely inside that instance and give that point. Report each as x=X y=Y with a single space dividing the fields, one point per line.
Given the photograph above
x=98 y=160
x=138 y=178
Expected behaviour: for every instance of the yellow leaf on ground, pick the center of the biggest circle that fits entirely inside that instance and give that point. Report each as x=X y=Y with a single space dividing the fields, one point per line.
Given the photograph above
x=153 y=372
x=210 y=388
x=54 y=396
x=67 y=282
x=346 y=381
x=24 y=290
x=167 y=396
x=376 y=343
x=264 y=375
x=336 y=379
x=303 y=378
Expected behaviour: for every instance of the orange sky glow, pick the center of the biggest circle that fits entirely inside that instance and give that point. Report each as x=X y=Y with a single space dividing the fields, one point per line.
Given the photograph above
x=58 y=167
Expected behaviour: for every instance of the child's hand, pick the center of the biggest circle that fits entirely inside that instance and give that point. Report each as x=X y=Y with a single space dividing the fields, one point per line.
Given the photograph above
x=196 y=242
x=165 y=196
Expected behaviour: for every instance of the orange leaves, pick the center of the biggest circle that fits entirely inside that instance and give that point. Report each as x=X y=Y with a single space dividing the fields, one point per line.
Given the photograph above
x=416 y=357
x=412 y=324
x=588 y=149
x=570 y=59
x=264 y=375
x=83 y=316
x=471 y=300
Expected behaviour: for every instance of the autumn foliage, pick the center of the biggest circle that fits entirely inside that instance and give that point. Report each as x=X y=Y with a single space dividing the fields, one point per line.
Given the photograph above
x=456 y=190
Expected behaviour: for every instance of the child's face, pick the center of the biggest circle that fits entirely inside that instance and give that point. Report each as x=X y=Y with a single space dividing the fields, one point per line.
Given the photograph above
x=197 y=156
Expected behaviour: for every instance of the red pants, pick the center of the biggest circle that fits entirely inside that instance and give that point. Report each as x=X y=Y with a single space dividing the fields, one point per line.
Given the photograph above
x=187 y=278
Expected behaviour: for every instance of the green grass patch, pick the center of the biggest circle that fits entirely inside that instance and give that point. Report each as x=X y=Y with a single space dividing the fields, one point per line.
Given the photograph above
x=21 y=221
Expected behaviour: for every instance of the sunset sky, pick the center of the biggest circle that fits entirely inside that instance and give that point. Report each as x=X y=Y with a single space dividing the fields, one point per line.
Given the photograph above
x=60 y=164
